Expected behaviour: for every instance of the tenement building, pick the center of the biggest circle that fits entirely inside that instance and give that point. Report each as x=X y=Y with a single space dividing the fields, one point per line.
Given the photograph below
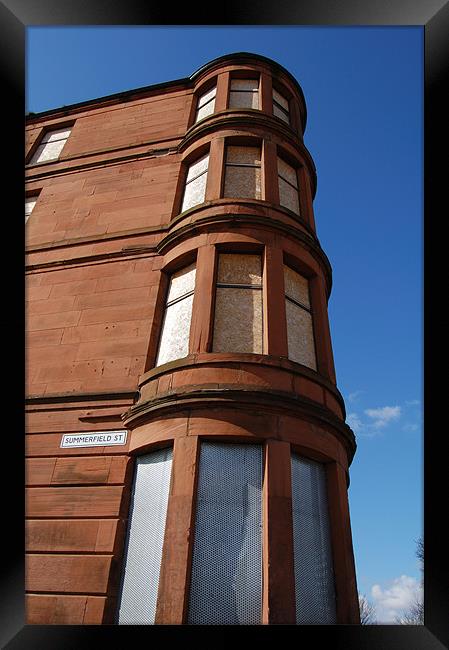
x=187 y=452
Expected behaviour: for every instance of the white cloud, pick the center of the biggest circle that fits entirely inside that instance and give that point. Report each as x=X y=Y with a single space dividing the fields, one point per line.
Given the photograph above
x=383 y=415
x=352 y=397
x=398 y=596
x=354 y=422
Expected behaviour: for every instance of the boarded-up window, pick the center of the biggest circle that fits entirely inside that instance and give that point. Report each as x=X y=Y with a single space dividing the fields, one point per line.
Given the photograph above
x=238 y=304
x=301 y=342
x=174 y=341
x=206 y=104
x=242 y=172
x=195 y=189
x=288 y=186
x=314 y=575
x=244 y=93
x=281 y=107
x=51 y=145
x=29 y=206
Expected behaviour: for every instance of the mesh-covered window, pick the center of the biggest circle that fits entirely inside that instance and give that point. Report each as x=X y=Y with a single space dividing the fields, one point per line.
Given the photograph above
x=281 y=107
x=301 y=342
x=226 y=579
x=51 y=145
x=242 y=172
x=238 y=304
x=174 y=340
x=206 y=104
x=29 y=206
x=244 y=93
x=195 y=189
x=314 y=577
x=288 y=186
x=146 y=528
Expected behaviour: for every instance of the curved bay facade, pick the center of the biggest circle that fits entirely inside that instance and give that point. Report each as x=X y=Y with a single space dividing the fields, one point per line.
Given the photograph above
x=177 y=299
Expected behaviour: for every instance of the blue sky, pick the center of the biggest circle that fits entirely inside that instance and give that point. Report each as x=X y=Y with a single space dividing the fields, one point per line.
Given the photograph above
x=364 y=92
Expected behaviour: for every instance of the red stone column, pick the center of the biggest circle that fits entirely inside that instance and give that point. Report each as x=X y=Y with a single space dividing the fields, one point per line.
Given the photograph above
x=201 y=327
x=215 y=169
x=178 y=542
x=347 y=603
x=278 y=605
x=275 y=323
x=221 y=98
x=323 y=345
x=266 y=93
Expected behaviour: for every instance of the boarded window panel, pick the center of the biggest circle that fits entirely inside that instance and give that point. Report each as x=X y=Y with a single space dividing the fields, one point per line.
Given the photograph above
x=226 y=580
x=234 y=268
x=296 y=286
x=280 y=99
x=242 y=182
x=57 y=134
x=238 y=320
x=181 y=282
x=243 y=155
x=174 y=343
x=143 y=552
x=288 y=196
x=244 y=93
x=287 y=172
x=280 y=113
x=314 y=579
x=301 y=347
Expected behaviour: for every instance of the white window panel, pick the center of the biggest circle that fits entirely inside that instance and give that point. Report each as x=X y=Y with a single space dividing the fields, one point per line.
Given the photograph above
x=29 y=206
x=51 y=145
x=57 y=134
x=301 y=345
x=181 y=283
x=174 y=343
x=174 y=340
x=195 y=189
x=206 y=104
x=143 y=554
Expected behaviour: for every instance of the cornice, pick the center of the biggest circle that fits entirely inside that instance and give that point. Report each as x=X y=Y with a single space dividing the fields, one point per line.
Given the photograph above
x=242 y=398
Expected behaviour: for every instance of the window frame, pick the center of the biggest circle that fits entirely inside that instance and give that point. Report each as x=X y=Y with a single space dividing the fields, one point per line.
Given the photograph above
x=39 y=142
x=199 y=95
x=246 y=286
x=250 y=144
x=245 y=90
x=279 y=106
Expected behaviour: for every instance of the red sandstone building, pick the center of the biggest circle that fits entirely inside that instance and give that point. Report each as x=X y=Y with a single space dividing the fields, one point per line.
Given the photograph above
x=187 y=452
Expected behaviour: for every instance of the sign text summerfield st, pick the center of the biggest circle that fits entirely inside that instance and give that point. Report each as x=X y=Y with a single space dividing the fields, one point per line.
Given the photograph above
x=94 y=439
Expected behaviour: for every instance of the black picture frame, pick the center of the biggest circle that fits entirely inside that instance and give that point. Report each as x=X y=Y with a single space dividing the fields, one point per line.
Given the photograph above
x=433 y=16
